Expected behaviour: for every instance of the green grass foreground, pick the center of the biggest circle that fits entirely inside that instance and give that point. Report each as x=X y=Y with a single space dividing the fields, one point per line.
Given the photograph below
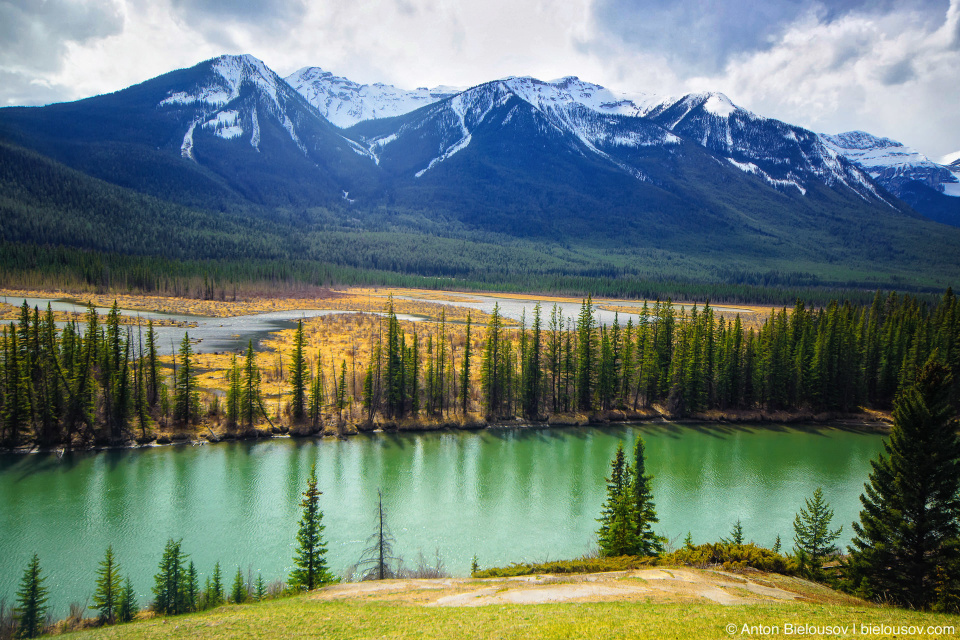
x=308 y=617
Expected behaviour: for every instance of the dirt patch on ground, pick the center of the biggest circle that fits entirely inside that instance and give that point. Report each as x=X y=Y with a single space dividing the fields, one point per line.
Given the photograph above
x=648 y=585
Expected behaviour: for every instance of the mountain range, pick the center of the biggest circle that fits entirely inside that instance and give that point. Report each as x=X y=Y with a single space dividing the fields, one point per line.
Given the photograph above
x=625 y=184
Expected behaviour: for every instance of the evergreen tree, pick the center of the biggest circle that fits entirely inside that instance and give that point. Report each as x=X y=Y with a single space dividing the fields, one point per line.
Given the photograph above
x=186 y=401
x=412 y=374
x=140 y=385
x=910 y=521
x=586 y=356
x=298 y=378
x=191 y=588
x=648 y=543
x=238 y=592
x=736 y=534
x=316 y=401
x=250 y=389
x=811 y=530
x=128 y=605
x=492 y=383
x=260 y=589
x=234 y=392
x=153 y=367
x=311 y=565
x=533 y=374
x=465 y=371
x=440 y=380
x=617 y=535
x=31 y=609
x=18 y=406
x=106 y=597
x=168 y=592
x=394 y=373
x=214 y=595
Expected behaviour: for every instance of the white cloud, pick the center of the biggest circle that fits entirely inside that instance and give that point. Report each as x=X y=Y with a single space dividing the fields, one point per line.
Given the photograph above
x=892 y=75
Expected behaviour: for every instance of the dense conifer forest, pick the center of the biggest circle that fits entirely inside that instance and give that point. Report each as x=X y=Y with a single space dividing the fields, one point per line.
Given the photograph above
x=102 y=382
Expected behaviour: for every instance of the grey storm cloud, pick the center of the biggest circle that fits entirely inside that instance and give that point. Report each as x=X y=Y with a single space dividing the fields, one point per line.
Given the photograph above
x=268 y=15
x=898 y=73
x=701 y=36
x=34 y=34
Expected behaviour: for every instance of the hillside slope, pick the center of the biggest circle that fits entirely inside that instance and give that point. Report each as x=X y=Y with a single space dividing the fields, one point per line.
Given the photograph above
x=658 y=603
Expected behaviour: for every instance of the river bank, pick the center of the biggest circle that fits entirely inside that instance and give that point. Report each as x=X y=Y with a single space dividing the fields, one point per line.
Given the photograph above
x=210 y=431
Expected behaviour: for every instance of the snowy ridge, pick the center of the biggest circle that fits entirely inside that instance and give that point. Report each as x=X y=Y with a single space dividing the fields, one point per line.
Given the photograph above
x=224 y=87
x=892 y=163
x=235 y=93
x=783 y=155
x=578 y=107
x=596 y=121
x=345 y=103
x=566 y=92
x=460 y=115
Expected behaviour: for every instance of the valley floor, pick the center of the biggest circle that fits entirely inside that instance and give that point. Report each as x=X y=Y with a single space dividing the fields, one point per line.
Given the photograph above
x=652 y=603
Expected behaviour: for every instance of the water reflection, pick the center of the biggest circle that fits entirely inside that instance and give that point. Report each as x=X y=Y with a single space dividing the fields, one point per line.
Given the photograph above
x=504 y=495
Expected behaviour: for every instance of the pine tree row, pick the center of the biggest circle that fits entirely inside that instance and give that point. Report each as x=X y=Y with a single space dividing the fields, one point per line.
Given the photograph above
x=102 y=382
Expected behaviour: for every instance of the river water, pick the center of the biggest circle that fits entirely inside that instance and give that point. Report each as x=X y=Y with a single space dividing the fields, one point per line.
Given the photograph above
x=503 y=495
x=207 y=334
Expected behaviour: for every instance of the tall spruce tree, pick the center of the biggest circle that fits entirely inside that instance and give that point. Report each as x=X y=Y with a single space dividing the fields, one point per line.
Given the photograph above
x=311 y=564
x=532 y=371
x=617 y=534
x=31 y=609
x=493 y=368
x=191 y=587
x=168 y=592
x=586 y=356
x=152 y=367
x=214 y=593
x=298 y=378
x=238 y=592
x=250 y=389
x=906 y=544
x=465 y=371
x=648 y=542
x=128 y=602
x=106 y=596
x=234 y=392
x=186 y=402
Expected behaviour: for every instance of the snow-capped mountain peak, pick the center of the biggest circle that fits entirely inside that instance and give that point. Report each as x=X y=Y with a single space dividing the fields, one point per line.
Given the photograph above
x=345 y=102
x=234 y=96
x=892 y=163
x=571 y=91
x=223 y=84
x=719 y=105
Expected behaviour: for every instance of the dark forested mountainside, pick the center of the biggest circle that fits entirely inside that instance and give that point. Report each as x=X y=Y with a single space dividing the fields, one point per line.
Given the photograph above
x=64 y=229
x=225 y=162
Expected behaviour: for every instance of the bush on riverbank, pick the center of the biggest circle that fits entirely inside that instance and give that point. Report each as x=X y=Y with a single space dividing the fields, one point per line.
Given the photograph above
x=731 y=557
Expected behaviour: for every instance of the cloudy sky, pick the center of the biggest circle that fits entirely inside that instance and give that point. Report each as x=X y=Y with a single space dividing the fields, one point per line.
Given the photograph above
x=890 y=67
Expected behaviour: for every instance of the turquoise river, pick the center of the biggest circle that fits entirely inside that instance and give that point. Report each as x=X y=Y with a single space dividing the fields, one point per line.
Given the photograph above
x=504 y=495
